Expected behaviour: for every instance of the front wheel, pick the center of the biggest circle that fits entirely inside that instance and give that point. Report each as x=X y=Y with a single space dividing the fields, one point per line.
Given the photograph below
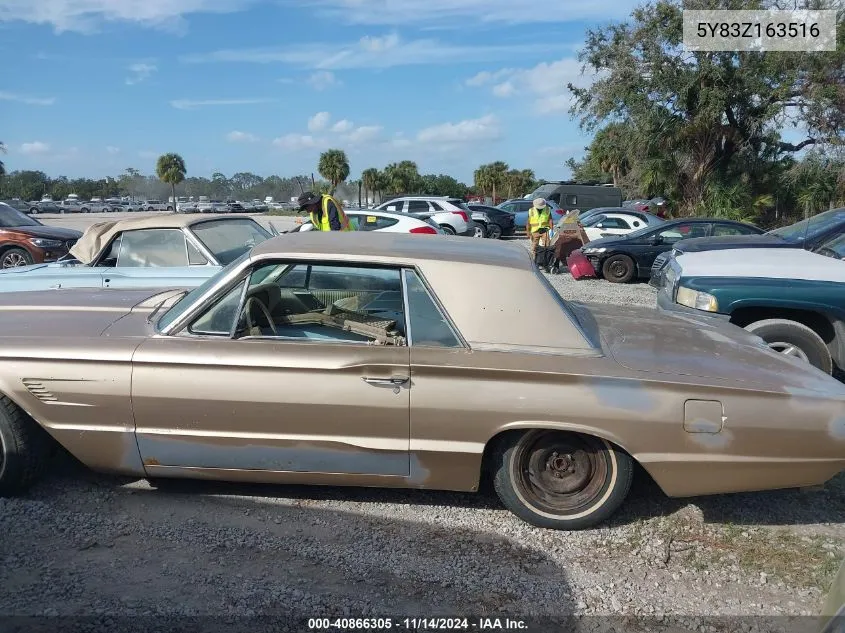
x=15 y=257
x=561 y=480
x=795 y=339
x=24 y=449
x=619 y=269
x=448 y=230
x=33 y=211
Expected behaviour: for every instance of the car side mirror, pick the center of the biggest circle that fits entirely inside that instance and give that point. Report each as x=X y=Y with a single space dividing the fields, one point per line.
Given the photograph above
x=654 y=240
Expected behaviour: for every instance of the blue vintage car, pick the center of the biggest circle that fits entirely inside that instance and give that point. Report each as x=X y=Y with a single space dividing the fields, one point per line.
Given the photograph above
x=152 y=252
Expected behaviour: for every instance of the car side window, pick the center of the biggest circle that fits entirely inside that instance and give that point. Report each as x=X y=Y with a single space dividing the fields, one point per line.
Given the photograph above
x=152 y=248
x=524 y=205
x=613 y=223
x=396 y=206
x=676 y=233
x=314 y=303
x=195 y=258
x=729 y=229
x=435 y=206
x=429 y=328
x=218 y=320
x=571 y=200
x=418 y=206
x=374 y=222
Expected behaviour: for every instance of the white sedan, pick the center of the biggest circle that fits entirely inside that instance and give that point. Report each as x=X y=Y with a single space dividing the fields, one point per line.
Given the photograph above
x=607 y=224
x=371 y=220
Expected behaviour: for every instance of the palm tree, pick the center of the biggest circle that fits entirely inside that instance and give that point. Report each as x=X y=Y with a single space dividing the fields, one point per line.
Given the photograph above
x=170 y=169
x=334 y=167
x=481 y=179
x=2 y=166
x=369 y=178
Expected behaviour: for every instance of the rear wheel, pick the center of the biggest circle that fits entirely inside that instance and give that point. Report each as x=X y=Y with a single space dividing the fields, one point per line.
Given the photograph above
x=795 y=339
x=479 y=231
x=34 y=211
x=14 y=257
x=24 y=449
x=562 y=480
x=618 y=269
x=448 y=230
x=494 y=232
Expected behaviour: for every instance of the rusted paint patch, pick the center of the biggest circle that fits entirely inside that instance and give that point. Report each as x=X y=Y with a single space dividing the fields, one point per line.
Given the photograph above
x=836 y=428
x=623 y=394
x=294 y=456
x=713 y=440
x=151 y=461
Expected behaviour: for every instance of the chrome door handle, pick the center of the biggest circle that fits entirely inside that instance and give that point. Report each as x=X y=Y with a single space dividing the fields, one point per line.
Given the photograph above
x=396 y=381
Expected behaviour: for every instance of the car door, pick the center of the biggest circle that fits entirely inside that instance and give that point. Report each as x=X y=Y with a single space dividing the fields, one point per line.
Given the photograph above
x=661 y=240
x=229 y=392
x=608 y=227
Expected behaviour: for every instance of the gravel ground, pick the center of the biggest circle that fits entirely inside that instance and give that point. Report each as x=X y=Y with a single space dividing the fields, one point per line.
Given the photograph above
x=105 y=547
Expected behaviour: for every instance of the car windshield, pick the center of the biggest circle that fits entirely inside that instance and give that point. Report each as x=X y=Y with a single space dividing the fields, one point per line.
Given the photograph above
x=229 y=239
x=10 y=218
x=181 y=306
x=811 y=226
x=836 y=245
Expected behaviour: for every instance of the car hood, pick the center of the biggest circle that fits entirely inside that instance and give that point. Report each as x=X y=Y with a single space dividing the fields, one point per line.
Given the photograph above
x=54 y=314
x=48 y=232
x=726 y=242
x=761 y=263
x=604 y=242
x=647 y=340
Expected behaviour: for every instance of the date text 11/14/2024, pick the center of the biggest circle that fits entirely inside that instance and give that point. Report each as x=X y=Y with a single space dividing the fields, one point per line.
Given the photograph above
x=417 y=624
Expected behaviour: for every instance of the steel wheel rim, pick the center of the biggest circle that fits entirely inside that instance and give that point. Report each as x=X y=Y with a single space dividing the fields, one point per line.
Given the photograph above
x=618 y=270
x=13 y=260
x=560 y=473
x=478 y=232
x=789 y=349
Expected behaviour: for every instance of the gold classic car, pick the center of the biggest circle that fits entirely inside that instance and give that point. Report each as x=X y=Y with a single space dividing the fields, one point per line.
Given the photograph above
x=393 y=360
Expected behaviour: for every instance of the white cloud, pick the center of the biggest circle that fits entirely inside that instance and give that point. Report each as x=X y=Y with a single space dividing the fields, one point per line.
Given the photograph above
x=379 y=44
x=485 y=128
x=190 y=104
x=111 y=149
x=342 y=126
x=448 y=12
x=319 y=122
x=364 y=134
x=545 y=84
x=139 y=72
x=87 y=16
x=374 y=52
x=241 y=137
x=11 y=96
x=323 y=80
x=35 y=147
x=296 y=142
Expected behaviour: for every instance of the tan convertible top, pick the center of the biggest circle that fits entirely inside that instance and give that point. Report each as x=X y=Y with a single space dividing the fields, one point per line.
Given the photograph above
x=99 y=235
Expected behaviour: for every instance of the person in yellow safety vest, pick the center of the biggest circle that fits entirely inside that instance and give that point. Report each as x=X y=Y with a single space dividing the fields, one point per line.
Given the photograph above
x=324 y=211
x=539 y=218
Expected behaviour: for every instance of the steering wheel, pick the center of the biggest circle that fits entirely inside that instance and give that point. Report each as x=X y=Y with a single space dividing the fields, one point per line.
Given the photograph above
x=264 y=309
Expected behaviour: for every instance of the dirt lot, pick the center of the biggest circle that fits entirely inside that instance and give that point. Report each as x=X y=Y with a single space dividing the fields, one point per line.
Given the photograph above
x=95 y=545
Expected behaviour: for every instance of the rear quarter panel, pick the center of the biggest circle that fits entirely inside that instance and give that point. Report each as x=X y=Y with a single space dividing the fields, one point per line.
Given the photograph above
x=461 y=400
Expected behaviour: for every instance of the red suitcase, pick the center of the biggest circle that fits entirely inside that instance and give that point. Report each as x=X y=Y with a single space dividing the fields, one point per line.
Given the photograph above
x=579 y=266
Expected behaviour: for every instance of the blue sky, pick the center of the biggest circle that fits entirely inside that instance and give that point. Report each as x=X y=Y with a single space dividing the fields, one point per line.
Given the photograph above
x=91 y=87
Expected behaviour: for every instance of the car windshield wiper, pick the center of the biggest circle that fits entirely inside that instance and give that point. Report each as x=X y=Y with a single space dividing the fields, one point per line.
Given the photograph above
x=163 y=301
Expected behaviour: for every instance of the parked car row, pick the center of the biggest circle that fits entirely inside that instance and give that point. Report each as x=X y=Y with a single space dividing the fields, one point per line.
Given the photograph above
x=111 y=205
x=400 y=335
x=787 y=286
x=220 y=206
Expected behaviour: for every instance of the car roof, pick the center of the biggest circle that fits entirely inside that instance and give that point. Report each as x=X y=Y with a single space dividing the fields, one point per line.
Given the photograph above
x=460 y=271
x=396 y=248
x=99 y=235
